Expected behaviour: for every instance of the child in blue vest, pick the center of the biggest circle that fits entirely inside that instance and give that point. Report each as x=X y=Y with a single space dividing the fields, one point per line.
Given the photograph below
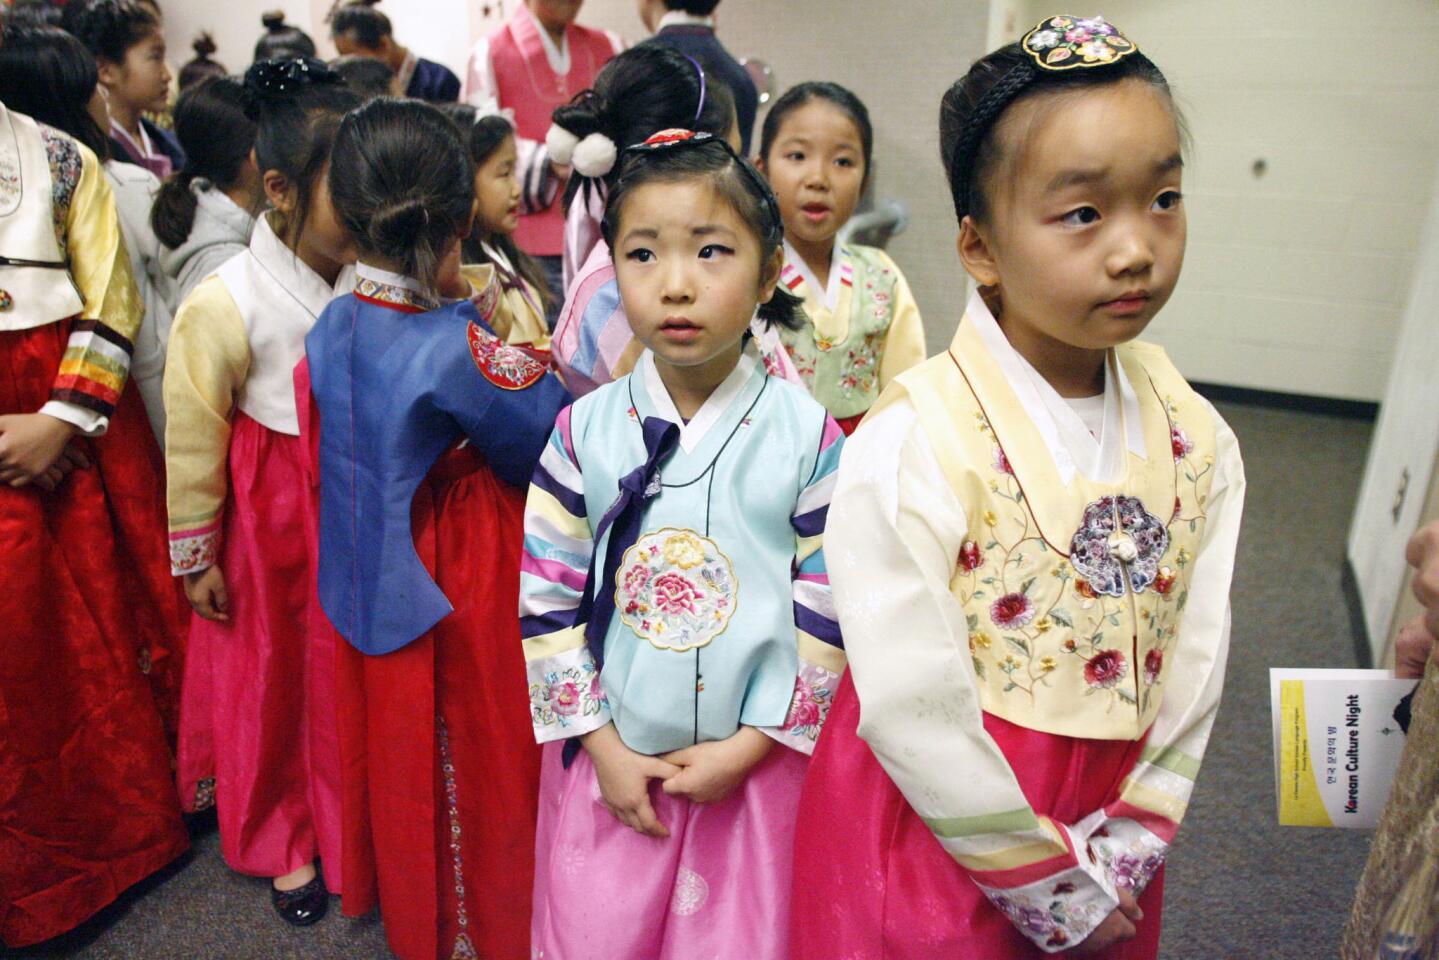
x=674 y=599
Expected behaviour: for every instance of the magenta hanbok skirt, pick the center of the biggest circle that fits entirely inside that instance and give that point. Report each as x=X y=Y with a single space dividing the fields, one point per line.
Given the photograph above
x=717 y=887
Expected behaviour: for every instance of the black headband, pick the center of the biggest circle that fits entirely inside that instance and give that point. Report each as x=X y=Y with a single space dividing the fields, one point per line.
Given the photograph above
x=669 y=140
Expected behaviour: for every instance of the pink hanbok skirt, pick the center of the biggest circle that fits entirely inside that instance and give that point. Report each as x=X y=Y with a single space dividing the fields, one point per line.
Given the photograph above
x=258 y=702
x=717 y=888
x=884 y=889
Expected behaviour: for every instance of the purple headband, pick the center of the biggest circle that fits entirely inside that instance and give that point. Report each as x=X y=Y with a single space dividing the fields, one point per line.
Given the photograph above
x=701 y=70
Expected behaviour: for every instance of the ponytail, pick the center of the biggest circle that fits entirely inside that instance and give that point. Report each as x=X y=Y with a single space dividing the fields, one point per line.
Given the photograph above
x=217 y=137
x=172 y=215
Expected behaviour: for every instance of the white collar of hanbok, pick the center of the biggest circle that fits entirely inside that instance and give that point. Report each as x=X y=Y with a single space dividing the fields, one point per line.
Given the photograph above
x=828 y=294
x=288 y=272
x=678 y=18
x=710 y=412
x=557 y=54
x=1070 y=442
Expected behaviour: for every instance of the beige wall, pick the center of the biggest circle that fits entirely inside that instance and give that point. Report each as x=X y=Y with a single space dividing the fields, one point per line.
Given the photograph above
x=1295 y=281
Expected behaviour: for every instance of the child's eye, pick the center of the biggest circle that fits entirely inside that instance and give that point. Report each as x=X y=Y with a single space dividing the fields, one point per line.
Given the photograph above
x=1080 y=217
x=794 y=155
x=1168 y=200
x=711 y=250
x=640 y=255
x=845 y=162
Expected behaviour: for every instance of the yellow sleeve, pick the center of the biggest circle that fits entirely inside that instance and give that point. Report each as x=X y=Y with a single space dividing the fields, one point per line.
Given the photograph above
x=207 y=363
x=96 y=361
x=904 y=346
x=99 y=262
x=512 y=318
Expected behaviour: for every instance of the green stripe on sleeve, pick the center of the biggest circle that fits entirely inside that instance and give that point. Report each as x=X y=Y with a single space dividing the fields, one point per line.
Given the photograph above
x=1172 y=760
x=1011 y=821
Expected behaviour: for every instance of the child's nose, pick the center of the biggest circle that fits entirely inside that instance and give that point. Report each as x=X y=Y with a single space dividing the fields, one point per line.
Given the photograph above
x=678 y=285
x=1133 y=252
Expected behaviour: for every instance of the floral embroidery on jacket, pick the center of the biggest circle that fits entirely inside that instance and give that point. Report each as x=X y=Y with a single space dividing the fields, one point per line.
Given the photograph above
x=66 y=165
x=505 y=365
x=675 y=589
x=1047 y=915
x=195 y=550
x=563 y=695
x=814 y=690
x=1014 y=595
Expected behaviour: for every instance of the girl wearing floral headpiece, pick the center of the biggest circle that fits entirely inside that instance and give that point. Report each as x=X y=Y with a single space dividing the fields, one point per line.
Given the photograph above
x=674 y=602
x=1032 y=538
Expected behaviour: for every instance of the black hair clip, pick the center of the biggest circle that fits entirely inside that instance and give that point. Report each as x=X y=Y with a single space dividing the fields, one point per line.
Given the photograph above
x=282 y=79
x=678 y=139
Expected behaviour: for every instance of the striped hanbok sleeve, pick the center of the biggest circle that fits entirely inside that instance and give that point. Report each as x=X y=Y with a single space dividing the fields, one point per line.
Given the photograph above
x=96 y=362
x=821 y=650
x=566 y=699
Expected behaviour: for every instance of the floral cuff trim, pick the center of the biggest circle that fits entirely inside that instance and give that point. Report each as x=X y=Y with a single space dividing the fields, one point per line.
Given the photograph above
x=1129 y=854
x=194 y=550
x=566 y=697
x=814 y=691
x=1061 y=910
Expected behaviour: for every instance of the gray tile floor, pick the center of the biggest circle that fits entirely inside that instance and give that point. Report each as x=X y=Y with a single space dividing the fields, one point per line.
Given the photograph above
x=1239 y=886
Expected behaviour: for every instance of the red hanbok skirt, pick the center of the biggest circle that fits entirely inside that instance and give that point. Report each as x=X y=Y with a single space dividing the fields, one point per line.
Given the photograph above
x=92 y=640
x=440 y=768
x=882 y=888
x=259 y=698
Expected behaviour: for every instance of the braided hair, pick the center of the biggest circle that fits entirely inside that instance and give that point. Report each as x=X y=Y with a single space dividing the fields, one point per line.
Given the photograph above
x=971 y=111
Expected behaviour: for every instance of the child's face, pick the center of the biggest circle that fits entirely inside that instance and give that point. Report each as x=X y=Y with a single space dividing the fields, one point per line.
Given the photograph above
x=142 y=80
x=1086 y=229
x=497 y=190
x=816 y=167
x=555 y=15
x=689 y=272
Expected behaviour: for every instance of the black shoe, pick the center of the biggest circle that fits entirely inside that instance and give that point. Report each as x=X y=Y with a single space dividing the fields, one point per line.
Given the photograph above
x=304 y=905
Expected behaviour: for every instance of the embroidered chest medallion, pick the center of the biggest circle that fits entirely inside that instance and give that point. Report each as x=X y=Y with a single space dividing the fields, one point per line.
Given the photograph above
x=506 y=366
x=1118 y=532
x=675 y=589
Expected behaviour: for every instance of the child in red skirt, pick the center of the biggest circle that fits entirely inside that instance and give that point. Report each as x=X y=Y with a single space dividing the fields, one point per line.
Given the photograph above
x=1031 y=546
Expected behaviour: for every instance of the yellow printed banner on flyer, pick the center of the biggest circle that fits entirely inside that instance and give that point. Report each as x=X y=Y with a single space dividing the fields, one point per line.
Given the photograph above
x=1337 y=743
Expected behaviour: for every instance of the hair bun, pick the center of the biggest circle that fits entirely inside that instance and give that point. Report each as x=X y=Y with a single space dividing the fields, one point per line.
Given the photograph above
x=273 y=20
x=269 y=80
x=204 y=45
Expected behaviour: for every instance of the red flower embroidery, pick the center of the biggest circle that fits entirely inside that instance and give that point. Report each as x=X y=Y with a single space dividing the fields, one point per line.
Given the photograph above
x=1164 y=581
x=673 y=593
x=1011 y=611
x=1106 y=669
x=1181 y=443
x=969 y=557
x=803 y=709
x=1001 y=461
x=1153 y=663
x=565 y=699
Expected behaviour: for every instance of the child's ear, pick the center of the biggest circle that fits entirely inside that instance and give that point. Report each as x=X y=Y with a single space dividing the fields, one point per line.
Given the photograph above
x=769 y=275
x=975 y=253
x=108 y=70
x=279 y=190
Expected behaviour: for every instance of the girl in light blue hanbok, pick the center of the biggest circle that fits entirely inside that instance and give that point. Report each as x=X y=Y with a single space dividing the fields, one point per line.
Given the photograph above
x=674 y=600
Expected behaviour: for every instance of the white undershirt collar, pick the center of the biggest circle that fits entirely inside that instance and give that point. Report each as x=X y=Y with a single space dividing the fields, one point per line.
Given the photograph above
x=559 y=56
x=828 y=294
x=1064 y=431
x=710 y=412
x=678 y=18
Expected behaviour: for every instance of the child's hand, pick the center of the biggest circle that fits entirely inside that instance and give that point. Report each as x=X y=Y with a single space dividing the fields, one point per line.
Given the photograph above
x=624 y=778
x=1412 y=649
x=712 y=770
x=206 y=590
x=30 y=443
x=1115 y=928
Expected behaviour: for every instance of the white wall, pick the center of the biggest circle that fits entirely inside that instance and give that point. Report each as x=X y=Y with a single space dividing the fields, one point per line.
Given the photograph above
x=1295 y=281
x=1406 y=441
